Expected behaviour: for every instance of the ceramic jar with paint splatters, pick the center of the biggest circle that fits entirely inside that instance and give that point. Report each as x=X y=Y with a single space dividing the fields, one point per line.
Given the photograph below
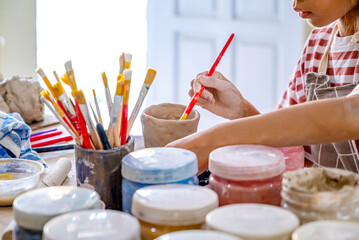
x=247 y=174
x=33 y=209
x=153 y=166
x=162 y=209
x=253 y=221
x=93 y=224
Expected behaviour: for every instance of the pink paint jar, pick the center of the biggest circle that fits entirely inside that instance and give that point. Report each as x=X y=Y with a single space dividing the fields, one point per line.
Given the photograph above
x=246 y=174
x=293 y=157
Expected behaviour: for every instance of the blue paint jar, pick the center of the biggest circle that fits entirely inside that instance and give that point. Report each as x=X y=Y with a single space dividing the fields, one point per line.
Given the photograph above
x=152 y=166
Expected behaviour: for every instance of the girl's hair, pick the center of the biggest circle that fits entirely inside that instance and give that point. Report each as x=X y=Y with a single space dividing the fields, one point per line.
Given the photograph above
x=351 y=20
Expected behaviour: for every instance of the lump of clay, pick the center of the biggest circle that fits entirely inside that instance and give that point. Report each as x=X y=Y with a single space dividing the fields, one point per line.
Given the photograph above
x=22 y=95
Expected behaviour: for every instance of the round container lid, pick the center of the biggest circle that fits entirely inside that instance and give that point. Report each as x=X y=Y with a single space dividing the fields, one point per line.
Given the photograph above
x=159 y=165
x=246 y=162
x=173 y=204
x=93 y=224
x=197 y=234
x=328 y=230
x=33 y=209
x=253 y=221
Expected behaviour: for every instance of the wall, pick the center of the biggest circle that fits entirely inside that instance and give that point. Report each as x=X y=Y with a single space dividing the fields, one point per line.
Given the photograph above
x=17 y=26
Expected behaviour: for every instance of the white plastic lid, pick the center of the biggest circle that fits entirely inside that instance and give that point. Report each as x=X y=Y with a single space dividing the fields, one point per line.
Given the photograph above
x=173 y=204
x=33 y=209
x=328 y=230
x=197 y=235
x=253 y=221
x=93 y=225
x=246 y=162
x=159 y=165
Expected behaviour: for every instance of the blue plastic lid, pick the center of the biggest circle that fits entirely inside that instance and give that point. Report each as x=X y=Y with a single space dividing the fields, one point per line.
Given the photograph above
x=159 y=165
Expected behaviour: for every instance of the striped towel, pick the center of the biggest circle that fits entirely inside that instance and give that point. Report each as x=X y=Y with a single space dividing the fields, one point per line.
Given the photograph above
x=15 y=138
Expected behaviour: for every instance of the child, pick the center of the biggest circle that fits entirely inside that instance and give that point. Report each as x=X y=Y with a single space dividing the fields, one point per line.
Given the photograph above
x=328 y=68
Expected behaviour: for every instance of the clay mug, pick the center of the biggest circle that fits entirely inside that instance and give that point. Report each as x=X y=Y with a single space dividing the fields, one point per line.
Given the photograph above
x=161 y=124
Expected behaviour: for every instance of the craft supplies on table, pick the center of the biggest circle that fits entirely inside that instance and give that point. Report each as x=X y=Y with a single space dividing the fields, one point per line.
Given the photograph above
x=198 y=234
x=16 y=177
x=101 y=171
x=328 y=230
x=151 y=166
x=168 y=208
x=33 y=209
x=246 y=174
x=321 y=194
x=253 y=221
x=93 y=224
x=160 y=124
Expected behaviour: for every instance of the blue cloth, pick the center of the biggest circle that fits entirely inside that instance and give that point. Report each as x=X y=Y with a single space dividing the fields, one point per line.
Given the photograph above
x=15 y=138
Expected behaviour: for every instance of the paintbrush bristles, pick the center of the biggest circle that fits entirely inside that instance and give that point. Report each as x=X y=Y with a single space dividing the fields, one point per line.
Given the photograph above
x=151 y=74
x=68 y=66
x=94 y=93
x=122 y=62
x=128 y=59
x=58 y=90
x=65 y=79
x=104 y=79
x=41 y=72
x=80 y=97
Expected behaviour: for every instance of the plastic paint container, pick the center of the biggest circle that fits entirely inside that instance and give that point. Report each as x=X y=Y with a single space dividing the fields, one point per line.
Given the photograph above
x=253 y=221
x=93 y=225
x=321 y=194
x=33 y=209
x=327 y=230
x=246 y=174
x=293 y=157
x=162 y=209
x=198 y=234
x=152 y=166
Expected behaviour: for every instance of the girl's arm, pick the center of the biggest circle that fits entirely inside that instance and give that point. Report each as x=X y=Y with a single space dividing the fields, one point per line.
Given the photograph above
x=322 y=121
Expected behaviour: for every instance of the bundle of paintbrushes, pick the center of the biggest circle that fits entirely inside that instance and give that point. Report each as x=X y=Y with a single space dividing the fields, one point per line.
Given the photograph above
x=73 y=112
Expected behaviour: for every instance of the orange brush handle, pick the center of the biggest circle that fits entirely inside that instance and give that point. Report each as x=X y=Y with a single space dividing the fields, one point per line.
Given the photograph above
x=210 y=72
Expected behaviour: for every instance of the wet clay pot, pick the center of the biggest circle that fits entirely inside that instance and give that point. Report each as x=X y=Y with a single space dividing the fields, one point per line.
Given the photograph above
x=161 y=124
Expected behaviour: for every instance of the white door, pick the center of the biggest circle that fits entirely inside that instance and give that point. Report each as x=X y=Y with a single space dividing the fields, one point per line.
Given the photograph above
x=185 y=37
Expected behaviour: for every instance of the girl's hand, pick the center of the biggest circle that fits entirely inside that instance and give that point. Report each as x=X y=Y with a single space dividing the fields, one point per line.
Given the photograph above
x=220 y=96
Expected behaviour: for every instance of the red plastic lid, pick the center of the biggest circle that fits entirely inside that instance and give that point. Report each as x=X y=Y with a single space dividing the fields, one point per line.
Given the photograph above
x=246 y=162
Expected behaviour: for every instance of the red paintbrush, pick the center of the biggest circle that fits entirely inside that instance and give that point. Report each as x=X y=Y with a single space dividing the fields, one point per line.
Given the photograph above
x=50 y=142
x=198 y=94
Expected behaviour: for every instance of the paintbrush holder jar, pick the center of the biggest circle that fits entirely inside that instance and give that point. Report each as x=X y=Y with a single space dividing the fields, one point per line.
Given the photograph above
x=246 y=174
x=34 y=208
x=251 y=221
x=93 y=224
x=101 y=170
x=169 y=208
x=161 y=124
x=321 y=194
x=153 y=166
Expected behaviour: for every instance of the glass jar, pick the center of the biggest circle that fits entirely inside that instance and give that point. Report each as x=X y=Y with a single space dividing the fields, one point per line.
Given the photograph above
x=246 y=174
x=321 y=194
x=198 y=234
x=293 y=157
x=162 y=209
x=328 y=230
x=34 y=208
x=253 y=221
x=152 y=166
x=93 y=224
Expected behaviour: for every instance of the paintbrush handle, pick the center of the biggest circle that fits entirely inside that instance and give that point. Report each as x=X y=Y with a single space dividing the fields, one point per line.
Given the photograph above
x=210 y=72
x=102 y=134
x=86 y=143
x=137 y=107
x=43 y=132
x=43 y=136
x=108 y=100
x=124 y=124
x=50 y=142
